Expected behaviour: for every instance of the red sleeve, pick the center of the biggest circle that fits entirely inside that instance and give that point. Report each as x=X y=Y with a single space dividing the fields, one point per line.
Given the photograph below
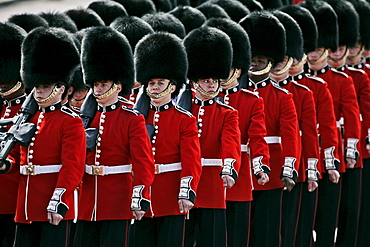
x=350 y=111
x=230 y=139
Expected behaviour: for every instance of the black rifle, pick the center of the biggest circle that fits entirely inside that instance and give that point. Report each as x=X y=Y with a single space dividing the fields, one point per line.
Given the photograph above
x=88 y=111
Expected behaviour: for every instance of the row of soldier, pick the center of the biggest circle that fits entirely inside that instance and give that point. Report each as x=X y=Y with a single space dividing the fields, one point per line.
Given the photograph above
x=250 y=128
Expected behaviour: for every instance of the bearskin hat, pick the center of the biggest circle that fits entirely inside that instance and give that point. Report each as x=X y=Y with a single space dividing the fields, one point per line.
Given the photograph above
x=28 y=21
x=161 y=55
x=239 y=40
x=49 y=55
x=271 y=4
x=348 y=22
x=107 y=55
x=266 y=35
x=307 y=24
x=294 y=38
x=363 y=9
x=252 y=5
x=209 y=52
x=56 y=19
x=11 y=38
x=163 y=5
x=235 y=9
x=165 y=22
x=85 y=18
x=133 y=27
x=212 y=10
x=190 y=17
x=108 y=10
x=78 y=81
x=326 y=21
x=138 y=7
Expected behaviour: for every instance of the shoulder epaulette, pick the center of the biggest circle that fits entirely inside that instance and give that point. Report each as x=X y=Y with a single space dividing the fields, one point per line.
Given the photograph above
x=339 y=72
x=126 y=101
x=182 y=110
x=250 y=92
x=136 y=112
x=227 y=106
x=280 y=88
x=367 y=65
x=302 y=86
x=318 y=79
x=69 y=111
x=356 y=70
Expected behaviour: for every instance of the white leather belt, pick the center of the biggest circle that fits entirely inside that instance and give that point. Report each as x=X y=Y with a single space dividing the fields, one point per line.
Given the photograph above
x=162 y=168
x=272 y=139
x=244 y=148
x=107 y=170
x=37 y=169
x=211 y=162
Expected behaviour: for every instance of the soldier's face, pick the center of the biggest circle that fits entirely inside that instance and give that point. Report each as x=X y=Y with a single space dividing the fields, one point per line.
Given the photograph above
x=337 y=58
x=43 y=92
x=101 y=88
x=157 y=85
x=353 y=52
x=315 y=55
x=209 y=85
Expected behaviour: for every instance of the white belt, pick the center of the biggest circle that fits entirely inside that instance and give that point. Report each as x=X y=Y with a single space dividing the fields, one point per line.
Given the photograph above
x=211 y=162
x=244 y=148
x=162 y=168
x=107 y=170
x=272 y=139
x=37 y=169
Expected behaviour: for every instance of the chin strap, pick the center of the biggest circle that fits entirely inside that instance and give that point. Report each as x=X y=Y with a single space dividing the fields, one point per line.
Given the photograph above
x=359 y=54
x=232 y=78
x=50 y=97
x=323 y=56
x=161 y=94
x=303 y=60
x=201 y=90
x=112 y=89
x=73 y=100
x=261 y=72
x=286 y=67
x=342 y=59
x=12 y=90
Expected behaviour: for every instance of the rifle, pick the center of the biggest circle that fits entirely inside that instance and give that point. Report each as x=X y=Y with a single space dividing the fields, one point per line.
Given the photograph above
x=21 y=131
x=142 y=105
x=88 y=111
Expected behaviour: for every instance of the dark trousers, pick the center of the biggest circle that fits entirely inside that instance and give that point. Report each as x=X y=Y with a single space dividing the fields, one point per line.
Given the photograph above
x=364 y=223
x=266 y=218
x=238 y=223
x=166 y=231
x=101 y=233
x=349 y=210
x=306 y=217
x=290 y=215
x=42 y=234
x=327 y=211
x=206 y=227
x=7 y=230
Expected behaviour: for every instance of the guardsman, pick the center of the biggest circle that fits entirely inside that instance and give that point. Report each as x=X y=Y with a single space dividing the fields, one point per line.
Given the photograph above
x=119 y=169
x=268 y=42
x=252 y=129
x=161 y=65
x=12 y=92
x=51 y=165
x=218 y=133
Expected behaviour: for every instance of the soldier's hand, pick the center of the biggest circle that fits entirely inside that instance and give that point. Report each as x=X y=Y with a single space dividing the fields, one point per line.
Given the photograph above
x=228 y=181
x=264 y=178
x=334 y=176
x=138 y=214
x=288 y=183
x=3 y=168
x=185 y=205
x=350 y=162
x=312 y=185
x=54 y=218
x=368 y=148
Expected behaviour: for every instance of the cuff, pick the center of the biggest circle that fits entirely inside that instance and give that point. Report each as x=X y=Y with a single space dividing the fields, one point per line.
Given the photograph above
x=137 y=200
x=311 y=172
x=330 y=162
x=185 y=189
x=56 y=205
x=259 y=167
x=351 y=150
x=228 y=168
x=288 y=169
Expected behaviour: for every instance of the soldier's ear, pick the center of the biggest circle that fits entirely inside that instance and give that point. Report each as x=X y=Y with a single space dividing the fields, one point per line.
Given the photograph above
x=119 y=87
x=173 y=88
x=61 y=89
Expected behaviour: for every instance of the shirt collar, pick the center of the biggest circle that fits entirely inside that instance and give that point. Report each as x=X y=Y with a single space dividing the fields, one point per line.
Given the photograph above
x=110 y=107
x=298 y=77
x=259 y=84
x=204 y=102
x=284 y=82
x=318 y=72
x=231 y=90
x=160 y=108
x=13 y=102
x=51 y=108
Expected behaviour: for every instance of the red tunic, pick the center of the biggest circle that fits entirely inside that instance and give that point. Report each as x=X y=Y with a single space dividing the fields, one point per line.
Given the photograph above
x=59 y=139
x=175 y=140
x=9 y=182
x=306 y=113
x=122 y=140
x=253 y=130
x=345 y=105
x=219 y=139
x=281 y=123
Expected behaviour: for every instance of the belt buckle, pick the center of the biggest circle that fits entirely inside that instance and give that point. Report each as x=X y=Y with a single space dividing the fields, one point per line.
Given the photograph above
x=30 y=169
x=97 y=170
x=156 y=169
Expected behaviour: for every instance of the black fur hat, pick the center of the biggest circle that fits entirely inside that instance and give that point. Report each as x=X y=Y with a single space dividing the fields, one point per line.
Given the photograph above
x=189 y=16
x=239 y=39
x=138 y=7
x=133 y=27
x=294 y=38
x=348 y=22
x=11 y=38
x=209 y=52
x=307 y=24
x=363 y=9
x=107 y=55
x=78 y=81
x=28 y=21
x=266 y=35
x=108 y=10
x=85 y=18
x=161 y=55
x=49 y=55
x=165 y=22
x=212 y=10
x=235 y=9
x=271 y=4
x=163 y=5
x=56 y=19
x=252 y=5
x=326 y=21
